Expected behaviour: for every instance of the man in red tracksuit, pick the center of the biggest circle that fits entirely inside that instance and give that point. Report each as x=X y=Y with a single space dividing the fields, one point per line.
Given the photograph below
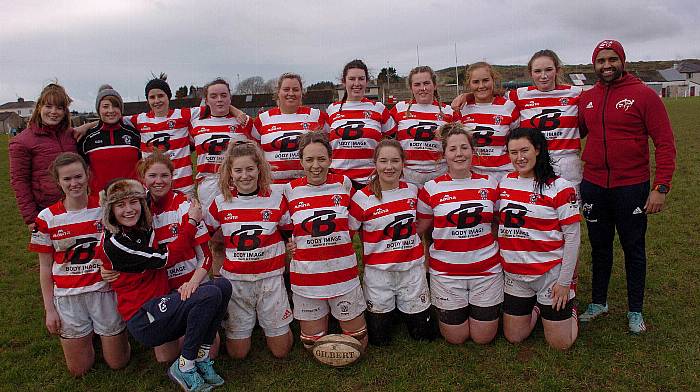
x=619 y=115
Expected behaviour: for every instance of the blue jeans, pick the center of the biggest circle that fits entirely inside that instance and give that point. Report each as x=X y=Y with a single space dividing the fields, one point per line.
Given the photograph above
x=608 y=209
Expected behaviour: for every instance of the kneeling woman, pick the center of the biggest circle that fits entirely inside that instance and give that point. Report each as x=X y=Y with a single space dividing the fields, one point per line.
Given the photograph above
x=539 y=237
x=323 y=270
x=393 y=256
x=153 y=316
x=466 y=279
x=250 y=213
x=78 y=302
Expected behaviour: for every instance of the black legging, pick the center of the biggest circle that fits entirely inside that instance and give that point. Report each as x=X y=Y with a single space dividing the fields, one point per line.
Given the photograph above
x=164 y=319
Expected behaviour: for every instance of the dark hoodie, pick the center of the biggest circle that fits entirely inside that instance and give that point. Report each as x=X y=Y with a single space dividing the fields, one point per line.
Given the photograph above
x=619 y=118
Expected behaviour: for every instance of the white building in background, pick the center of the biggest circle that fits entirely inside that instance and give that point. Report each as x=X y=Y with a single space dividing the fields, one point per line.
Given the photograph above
x=21 y=107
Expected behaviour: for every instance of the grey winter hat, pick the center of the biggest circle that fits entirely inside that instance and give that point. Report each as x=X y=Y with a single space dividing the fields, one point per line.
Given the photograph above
x=105 y=91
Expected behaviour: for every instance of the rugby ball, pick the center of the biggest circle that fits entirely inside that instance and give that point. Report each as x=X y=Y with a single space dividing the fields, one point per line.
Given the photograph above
x=337 y=350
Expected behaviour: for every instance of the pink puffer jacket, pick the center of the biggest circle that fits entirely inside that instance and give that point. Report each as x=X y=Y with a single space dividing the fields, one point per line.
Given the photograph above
x=31 y=154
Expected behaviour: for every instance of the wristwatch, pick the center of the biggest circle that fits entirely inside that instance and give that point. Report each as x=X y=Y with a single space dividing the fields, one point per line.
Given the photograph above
x=662 y=188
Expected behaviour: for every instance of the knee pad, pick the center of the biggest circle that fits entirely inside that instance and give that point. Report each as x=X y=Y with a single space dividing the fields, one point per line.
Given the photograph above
x=422 y=326
x=379 y=326
x=518 y=306
x=484 y=313
x=309 y=340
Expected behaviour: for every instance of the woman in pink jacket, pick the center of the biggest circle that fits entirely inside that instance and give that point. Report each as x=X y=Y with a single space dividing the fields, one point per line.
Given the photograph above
x=32 y=151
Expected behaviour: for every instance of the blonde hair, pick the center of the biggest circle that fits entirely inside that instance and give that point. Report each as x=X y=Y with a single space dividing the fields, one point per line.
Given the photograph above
x=453 y=129
x=52 y=94
x=559 y=80
x=495 y=76
x=433 y=77
x=289 y=75
x=244 y=150
x=374 y=183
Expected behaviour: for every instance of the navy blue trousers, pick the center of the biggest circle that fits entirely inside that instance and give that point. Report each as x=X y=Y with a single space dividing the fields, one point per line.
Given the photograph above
x=164 y=319
x=607 y=210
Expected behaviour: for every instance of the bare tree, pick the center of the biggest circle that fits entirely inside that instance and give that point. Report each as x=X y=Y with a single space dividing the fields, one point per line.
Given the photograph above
x=253 y=85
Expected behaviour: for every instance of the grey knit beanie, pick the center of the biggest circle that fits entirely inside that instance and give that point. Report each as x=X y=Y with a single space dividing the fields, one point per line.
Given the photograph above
x=105 y=91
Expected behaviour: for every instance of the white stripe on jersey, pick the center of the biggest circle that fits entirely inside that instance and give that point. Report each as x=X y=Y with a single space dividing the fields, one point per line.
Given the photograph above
x=171 y=136
x=211 y=137
x=355 y=132
x=462 y=211
x=324 y=263
x=529 y=233
x=250 y=226
x=417 y=136
x=389 y=238
x=72 y=237
x=554 y=112
x=489 y=125
x=279 y=135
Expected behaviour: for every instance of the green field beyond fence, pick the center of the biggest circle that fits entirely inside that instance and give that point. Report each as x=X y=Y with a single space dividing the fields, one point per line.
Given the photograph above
x=605 y=357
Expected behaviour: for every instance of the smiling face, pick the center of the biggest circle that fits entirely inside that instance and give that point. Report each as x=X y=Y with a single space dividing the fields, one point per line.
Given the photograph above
x=52 y=115
x=355 y=84
x=389 y=165
x=158 y=179
x=423 y=88
x=523 y=156
x=608 y=65
x=218 y=99
x=158 y=101
x=127 y=211
x=289 y=95
x=458 y=154
x=481 y=84
x=315 y=162
x=544 y=73
x=73 y=180
x=109 y=113
x=244 y=174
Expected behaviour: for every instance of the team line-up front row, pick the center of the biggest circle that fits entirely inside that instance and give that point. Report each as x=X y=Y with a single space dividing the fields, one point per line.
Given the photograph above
x=491 y=187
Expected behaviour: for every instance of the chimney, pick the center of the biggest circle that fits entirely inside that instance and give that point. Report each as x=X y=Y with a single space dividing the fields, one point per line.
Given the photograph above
x=20 y=99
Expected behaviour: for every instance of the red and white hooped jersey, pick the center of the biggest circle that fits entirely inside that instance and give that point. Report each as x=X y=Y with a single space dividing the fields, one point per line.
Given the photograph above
x=211 y=137
x=168 y=218
x=355 y=132
x=415 y=130
x=491 y=123
x=389 y=238
x=555 y=113
x=529 y=233
x=279 y=135
x=251 y=228
x=324 y=264
x=72 y=237
x=462 y=211
x=171 y=136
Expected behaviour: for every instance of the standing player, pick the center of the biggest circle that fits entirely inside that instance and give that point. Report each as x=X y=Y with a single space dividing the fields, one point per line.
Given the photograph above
x=490 y=116
x=539 y=237
x=112 y=148
x=212 y=128
x=416 y=123
x=466 y=282
x=77 y=301
x=394 y=275
x=620 y=114
x=250 y=213
x=323 y=270
x=357 y=124
x=278 y=130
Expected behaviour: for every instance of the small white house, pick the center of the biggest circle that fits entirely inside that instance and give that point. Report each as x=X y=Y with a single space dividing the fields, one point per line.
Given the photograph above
x=21 y=107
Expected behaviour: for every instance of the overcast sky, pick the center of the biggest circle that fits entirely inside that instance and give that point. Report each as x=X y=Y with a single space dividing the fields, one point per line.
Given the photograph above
x=84 y=44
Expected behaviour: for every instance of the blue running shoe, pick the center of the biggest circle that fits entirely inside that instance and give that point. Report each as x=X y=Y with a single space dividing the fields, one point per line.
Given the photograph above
x=636 y=323
x=593 y=311
x=206 y=370
x=189 y=381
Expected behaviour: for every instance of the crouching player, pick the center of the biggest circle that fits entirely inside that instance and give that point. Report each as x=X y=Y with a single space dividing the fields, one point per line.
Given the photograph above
x=77 y=301
x=385 y=212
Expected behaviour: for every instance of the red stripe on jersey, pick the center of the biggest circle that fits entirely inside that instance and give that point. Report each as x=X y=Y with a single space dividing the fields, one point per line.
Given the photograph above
x=465 y=245
x=323 y=253
x=394 y=257
x=518 y=244
x=478 y=268
x=530 y=269
x=73 y=281
x=324 y=278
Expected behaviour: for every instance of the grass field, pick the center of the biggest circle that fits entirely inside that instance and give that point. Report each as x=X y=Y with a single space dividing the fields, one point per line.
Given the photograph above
x=605 y=357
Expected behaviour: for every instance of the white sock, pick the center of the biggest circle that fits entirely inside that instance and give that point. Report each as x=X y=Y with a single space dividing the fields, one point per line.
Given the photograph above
x=203 y=352
x=185 y=364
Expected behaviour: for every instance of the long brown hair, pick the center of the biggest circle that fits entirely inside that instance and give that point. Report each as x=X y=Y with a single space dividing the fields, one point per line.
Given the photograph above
x=52 y=94
x=65 y=159
x=374 y=183
x=244 y=150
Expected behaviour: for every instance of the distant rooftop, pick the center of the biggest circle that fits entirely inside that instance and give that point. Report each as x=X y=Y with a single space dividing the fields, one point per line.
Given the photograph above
x=19 y=104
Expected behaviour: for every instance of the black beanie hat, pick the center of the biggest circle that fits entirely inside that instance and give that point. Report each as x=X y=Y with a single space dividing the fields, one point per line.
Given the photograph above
x=159 y=83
